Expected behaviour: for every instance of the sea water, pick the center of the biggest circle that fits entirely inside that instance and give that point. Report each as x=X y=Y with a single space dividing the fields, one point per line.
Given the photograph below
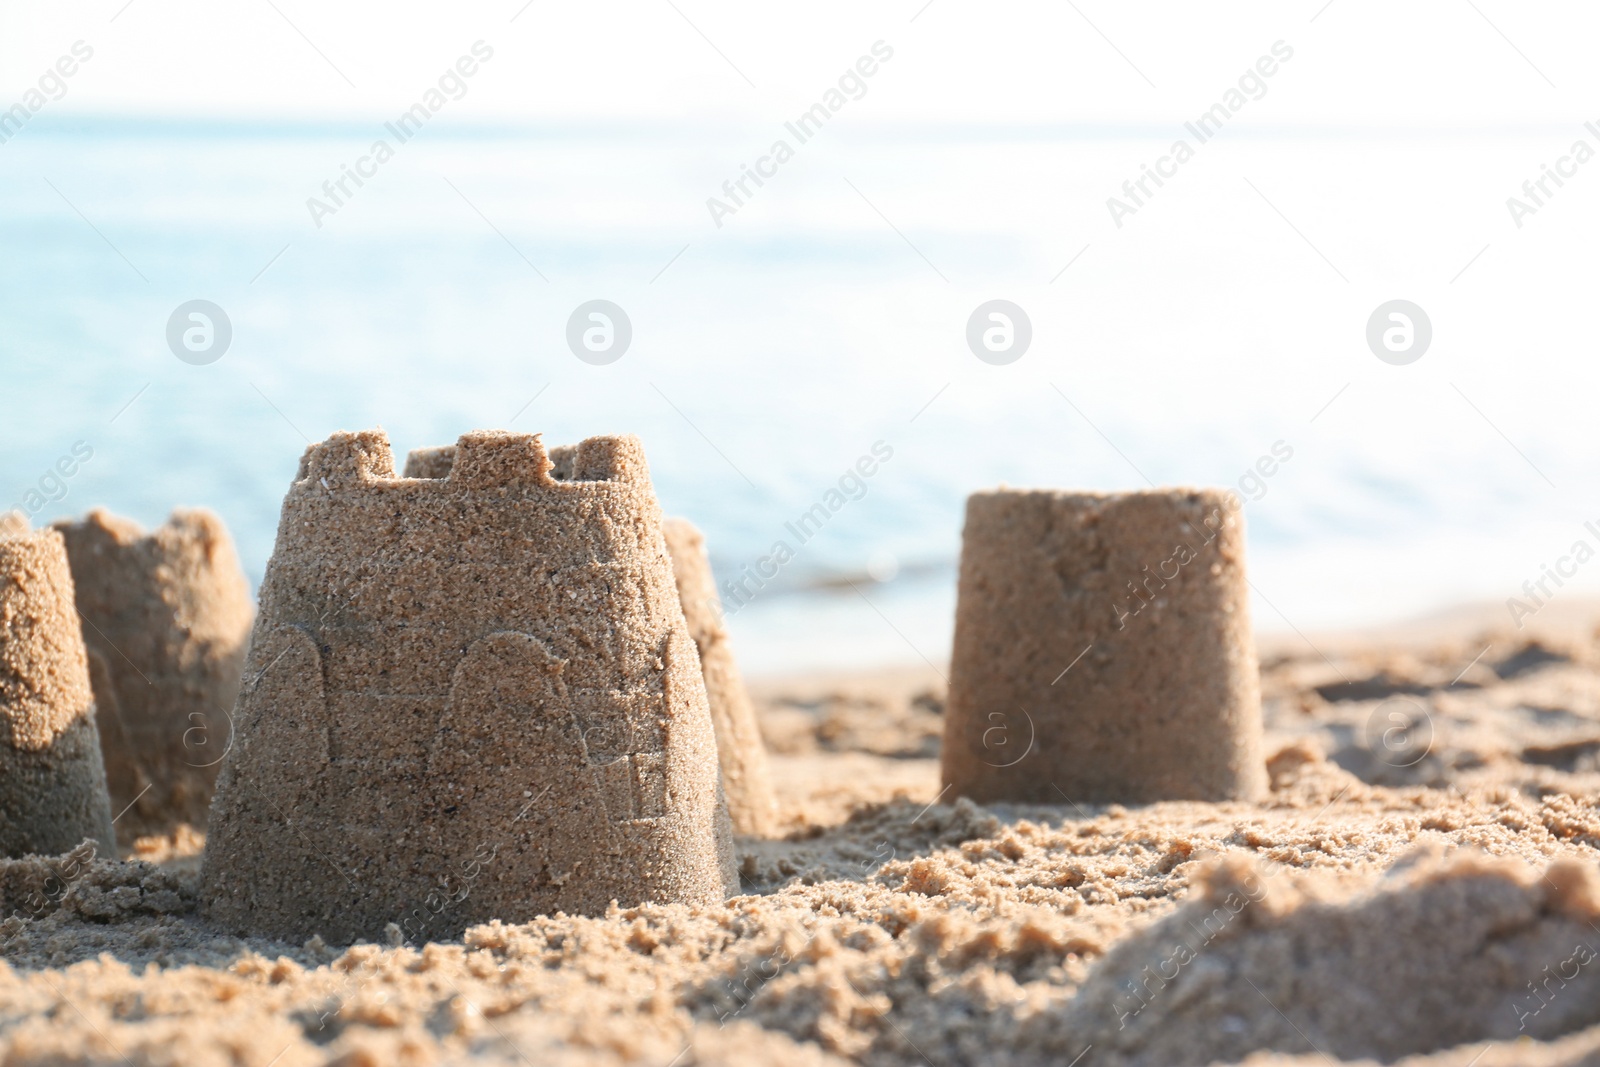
x=1215 y=336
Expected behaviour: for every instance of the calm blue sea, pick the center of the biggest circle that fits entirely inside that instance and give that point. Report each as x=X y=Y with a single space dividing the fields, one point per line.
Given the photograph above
x=827 y=317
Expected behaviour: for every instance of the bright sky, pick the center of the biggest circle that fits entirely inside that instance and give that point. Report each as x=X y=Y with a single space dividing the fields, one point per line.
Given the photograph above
x=1472 y=63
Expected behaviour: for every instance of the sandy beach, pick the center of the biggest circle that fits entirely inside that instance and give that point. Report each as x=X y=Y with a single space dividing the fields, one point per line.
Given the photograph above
x=1450 y=868
x=903 y=535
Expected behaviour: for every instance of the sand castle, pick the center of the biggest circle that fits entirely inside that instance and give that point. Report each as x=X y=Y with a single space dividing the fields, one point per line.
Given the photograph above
x=745 y=777
x=746 y=781
x=52 y=781
x=466 y=698
x=1103 y=650
x=166 y=616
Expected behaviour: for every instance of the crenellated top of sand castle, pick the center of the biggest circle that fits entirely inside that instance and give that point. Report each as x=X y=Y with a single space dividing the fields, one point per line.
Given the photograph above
x=511 y=535
x=483 y=459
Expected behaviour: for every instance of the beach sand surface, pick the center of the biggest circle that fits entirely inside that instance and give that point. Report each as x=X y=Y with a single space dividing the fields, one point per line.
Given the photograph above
x=1419 y=885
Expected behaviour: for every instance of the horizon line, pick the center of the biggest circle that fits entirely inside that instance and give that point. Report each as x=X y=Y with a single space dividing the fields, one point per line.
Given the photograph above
x=218 y=125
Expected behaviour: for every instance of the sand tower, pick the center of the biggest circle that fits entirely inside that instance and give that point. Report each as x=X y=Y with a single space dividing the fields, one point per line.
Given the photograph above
x=1103 y=650
x=166 y=617
x=746 y=781
x=466 y=698
x=745 y=777
x=52 y=781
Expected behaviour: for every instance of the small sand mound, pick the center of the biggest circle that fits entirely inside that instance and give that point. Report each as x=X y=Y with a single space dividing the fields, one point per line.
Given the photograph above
x=84 y=887
x=1436 y=953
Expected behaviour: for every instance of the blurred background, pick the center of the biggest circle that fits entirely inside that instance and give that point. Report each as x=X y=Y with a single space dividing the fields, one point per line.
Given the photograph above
x=1222 y=321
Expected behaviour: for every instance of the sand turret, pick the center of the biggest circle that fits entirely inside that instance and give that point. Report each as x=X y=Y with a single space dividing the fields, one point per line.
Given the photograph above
x=1103 y=650
x=466 y=698
x=52 y=780
x=745 y=777
x=166 y=616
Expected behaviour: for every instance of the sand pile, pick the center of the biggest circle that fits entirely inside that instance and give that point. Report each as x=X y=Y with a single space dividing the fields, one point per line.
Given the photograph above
x=52 y=779
x=466 y=697
x=165 y=618
x=1437 y=953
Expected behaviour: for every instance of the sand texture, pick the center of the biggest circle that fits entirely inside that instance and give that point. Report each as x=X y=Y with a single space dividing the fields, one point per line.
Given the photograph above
x=746 y=778
x=466 y=697
x=166 y=616
x=1103 y=650
x=1371 y=905
x=52 y=779
x=432 y=462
